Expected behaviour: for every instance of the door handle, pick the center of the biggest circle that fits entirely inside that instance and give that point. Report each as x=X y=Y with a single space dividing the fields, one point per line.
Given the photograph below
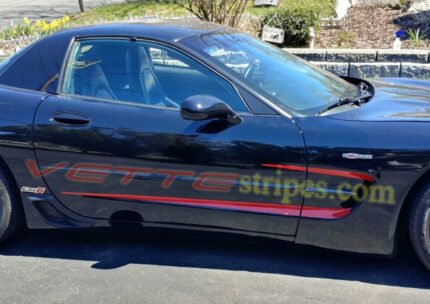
x=70 y=119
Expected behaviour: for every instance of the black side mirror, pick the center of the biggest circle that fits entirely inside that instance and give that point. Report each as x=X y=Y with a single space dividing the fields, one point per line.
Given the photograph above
x=204 y=107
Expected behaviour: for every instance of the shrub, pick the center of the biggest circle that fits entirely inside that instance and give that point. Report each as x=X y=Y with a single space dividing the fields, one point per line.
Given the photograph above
x=228 y=12
x=295 y=21
x=345 y=39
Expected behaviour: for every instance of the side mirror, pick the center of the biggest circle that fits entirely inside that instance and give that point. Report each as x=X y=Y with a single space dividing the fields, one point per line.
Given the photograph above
x=204 y=107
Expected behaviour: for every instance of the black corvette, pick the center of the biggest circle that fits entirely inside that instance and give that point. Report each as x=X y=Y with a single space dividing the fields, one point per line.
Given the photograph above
x=201 y=127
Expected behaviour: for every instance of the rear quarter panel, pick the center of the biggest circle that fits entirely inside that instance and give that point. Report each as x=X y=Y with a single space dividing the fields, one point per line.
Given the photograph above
x=17 y=108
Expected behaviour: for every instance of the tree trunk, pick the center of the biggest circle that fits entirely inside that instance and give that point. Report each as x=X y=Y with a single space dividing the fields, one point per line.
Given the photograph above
x=81 y=5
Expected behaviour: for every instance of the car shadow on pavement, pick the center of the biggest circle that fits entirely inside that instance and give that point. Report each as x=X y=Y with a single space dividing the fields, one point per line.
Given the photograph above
x=113 y=248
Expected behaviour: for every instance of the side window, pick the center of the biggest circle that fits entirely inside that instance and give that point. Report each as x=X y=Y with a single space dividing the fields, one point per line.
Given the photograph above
x=45 y=62
x=160 y=57
x=141 y=72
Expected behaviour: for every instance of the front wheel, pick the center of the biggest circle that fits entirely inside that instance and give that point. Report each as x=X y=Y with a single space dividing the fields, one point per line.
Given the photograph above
x=11 y=216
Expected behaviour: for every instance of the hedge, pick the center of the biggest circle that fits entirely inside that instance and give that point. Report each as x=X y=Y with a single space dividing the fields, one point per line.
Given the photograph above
x=295 y=21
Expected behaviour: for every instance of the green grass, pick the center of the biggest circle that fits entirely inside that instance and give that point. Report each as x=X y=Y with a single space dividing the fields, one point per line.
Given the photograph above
x=166 y=9
x=123 y=11
x=159 y=8
x=325 y=7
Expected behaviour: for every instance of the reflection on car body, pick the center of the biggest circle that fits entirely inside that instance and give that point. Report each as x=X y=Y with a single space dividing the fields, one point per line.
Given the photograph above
x=199 y=126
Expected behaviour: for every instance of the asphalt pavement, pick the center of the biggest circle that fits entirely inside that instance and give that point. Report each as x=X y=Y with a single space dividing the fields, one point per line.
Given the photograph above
x=170 y=266
x=164 y=266
x=16 y=10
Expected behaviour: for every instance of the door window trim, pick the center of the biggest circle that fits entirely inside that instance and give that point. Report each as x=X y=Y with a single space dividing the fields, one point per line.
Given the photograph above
x=73 y=46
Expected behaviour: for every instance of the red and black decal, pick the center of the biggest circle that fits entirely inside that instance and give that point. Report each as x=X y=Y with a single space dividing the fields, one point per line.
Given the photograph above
x=278 y=209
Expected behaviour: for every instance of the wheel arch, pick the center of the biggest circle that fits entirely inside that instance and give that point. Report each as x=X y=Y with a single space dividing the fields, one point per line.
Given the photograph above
x=402 y=233
x=6 y=170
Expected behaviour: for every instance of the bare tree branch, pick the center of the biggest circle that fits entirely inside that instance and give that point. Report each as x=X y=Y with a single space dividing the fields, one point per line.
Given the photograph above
x=228 y=12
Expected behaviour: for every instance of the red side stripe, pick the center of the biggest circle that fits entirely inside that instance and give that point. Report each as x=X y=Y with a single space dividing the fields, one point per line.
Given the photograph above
x=290 y=210
x=341 y=173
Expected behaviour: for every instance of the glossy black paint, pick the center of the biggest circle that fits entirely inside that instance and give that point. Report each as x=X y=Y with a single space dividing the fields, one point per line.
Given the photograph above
x=204 y=107
x=395 y=100
x=48 y=128
x=399 y=160
x=138 y=136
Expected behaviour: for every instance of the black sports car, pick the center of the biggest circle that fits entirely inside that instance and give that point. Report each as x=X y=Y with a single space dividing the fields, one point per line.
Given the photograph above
x=201 y=127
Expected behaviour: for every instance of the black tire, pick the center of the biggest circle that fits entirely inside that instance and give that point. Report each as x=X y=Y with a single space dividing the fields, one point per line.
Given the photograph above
x=419 y=225
x=11 y=214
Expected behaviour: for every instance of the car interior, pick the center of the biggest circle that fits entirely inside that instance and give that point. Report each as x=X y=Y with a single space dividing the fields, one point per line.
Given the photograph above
x=144 y=74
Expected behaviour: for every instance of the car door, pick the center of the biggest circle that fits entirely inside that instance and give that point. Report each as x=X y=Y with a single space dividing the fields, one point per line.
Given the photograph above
x=113 y=145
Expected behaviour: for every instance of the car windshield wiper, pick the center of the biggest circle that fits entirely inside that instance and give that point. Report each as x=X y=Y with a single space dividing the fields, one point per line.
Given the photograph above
x=357 y=101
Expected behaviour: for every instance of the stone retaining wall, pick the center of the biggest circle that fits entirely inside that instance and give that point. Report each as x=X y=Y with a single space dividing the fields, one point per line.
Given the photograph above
x=369 y=63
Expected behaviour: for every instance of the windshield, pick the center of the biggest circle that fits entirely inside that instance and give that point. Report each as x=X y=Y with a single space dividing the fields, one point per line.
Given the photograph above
x=287 y=79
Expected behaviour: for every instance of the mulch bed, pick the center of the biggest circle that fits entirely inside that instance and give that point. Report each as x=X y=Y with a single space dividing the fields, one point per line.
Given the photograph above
x=369 y=28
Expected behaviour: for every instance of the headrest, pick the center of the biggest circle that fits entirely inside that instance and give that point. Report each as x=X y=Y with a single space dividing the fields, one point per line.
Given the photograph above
x=137 y=59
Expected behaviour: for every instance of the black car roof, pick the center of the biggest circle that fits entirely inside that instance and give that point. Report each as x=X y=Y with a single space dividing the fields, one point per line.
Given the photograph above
x=46 y=56
x=170 y=31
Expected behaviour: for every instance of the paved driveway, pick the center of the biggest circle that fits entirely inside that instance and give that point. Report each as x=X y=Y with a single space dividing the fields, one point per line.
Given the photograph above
x=158 y=266
x=15 y=10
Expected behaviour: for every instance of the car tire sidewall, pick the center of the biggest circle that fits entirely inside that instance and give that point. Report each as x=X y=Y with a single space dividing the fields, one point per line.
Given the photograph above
x=10 y=211
x=5 y=210
x=419 y=225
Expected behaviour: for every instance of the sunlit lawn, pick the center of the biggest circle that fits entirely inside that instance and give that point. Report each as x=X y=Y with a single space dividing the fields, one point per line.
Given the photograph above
x=123 y=11
x=128 y=10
